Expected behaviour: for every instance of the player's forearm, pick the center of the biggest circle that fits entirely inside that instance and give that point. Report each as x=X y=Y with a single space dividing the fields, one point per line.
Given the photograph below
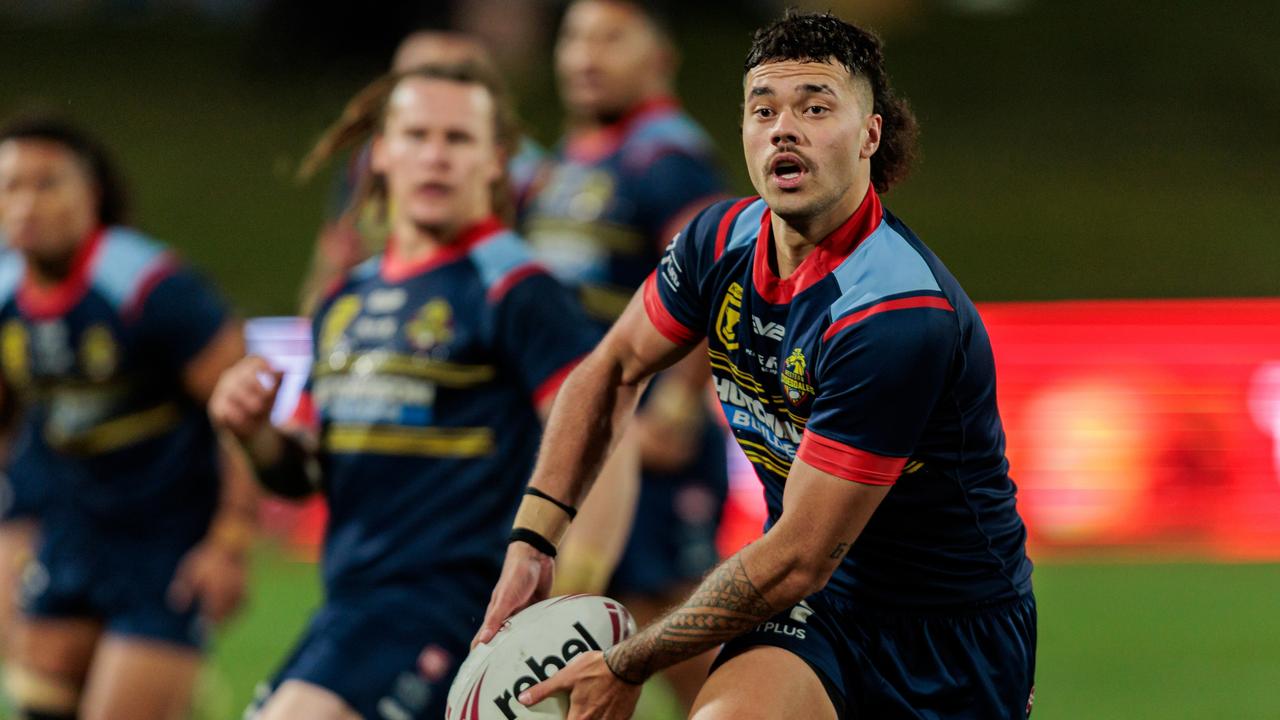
x=235 y=521
x=745 y=590
x=589 y=415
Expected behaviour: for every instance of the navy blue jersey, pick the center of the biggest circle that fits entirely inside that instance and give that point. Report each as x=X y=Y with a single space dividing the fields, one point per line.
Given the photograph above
x=425 y=388
x=606 y=210
x=97 y=362
x=870 y=363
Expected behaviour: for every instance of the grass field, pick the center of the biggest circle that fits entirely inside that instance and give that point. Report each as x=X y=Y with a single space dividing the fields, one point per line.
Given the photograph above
x=1116 y=640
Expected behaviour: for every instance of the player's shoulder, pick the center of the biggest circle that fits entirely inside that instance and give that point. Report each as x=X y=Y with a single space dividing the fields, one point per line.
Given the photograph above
x=12 y=268
x=890 y=270
x=352 y=281
x=502 y=261
x=726 y=227
x=663 y=131
x=130 y=264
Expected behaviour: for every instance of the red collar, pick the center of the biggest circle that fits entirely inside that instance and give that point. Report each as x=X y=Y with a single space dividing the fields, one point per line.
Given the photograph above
x=829 y=253
x=590 y=146
x=41 y=302
x=396 y=270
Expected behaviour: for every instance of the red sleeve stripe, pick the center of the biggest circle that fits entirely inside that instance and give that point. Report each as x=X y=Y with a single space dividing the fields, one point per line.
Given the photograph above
x=668 y=326
x=513 y=278
x=551 y=385
x=848 y=462
x=939 y=303
x=726 y=223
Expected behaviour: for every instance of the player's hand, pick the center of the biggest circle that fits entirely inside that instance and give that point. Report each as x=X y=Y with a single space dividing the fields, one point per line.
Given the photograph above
x=594 y=691
x=526 y=579
x=213 y=576
x=242 y=399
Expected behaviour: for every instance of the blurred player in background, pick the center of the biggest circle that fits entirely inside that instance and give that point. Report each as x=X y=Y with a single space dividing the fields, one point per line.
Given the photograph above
x=434 y=363
x=892 y=581
x=110 y=349
x=356 y=228
x=631 y=171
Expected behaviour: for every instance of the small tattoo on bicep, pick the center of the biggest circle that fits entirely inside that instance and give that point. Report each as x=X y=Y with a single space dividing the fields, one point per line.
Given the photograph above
x=839 y=551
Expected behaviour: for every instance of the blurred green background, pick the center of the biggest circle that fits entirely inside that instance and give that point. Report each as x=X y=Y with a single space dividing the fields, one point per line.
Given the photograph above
x=1070 y=150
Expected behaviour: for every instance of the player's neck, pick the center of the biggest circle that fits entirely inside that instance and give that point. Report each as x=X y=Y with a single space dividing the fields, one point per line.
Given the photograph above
x=794 y=238
x=414 y=243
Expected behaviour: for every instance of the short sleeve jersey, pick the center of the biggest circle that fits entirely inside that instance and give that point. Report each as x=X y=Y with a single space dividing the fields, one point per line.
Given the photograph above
x=97 y=362
x=425 y=389
x=870 y=363
x=603 y=216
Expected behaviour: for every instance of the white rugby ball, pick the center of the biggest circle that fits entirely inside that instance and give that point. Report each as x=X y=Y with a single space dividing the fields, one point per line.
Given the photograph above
x=531 y=646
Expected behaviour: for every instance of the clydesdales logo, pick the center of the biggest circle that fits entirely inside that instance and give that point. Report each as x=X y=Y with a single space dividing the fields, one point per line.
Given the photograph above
x=795 y=378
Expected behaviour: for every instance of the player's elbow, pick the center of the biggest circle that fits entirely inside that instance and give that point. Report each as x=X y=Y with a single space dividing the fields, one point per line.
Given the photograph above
x=804 y=576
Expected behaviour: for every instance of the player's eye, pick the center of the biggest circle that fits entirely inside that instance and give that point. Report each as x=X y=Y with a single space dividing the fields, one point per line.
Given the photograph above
x=763 y=112
x=817 y=110
x=458 y=137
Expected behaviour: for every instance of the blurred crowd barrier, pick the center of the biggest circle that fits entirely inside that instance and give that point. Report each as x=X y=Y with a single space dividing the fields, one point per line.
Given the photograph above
x=1136 y=428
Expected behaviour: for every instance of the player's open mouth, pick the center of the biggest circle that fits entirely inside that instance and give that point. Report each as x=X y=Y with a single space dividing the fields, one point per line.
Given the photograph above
x=787 y=170
x=432 y=189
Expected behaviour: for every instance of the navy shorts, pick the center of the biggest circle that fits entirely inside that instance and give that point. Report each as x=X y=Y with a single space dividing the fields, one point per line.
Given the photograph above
x=390 y=654
x=974 y=663
x=119 y=578
x=673 y=538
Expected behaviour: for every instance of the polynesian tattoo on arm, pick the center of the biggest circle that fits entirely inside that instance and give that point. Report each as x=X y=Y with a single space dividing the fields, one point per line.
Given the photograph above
x=724 y=606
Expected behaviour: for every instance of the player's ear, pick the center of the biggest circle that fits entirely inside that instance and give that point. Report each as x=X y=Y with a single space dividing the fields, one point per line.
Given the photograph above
x=871 y=136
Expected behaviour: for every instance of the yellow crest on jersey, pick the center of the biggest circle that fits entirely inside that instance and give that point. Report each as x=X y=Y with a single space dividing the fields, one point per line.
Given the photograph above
x=727 y=320
x=99 y=354
x=795 y=377
x=340 y=316
x=432 y=326
x=13 y=352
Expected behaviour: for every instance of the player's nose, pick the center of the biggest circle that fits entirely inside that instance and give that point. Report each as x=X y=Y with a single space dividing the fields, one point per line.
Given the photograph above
x=784 y=130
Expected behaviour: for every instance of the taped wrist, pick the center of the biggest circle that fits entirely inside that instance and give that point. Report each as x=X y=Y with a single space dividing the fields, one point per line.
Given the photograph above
x=541 y=521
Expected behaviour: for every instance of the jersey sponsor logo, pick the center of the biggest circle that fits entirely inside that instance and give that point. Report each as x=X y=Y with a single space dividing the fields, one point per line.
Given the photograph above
x=801 y=612
x=51 y=349
x=771 y=330
x=432 y=326
x=746 y=412
x=795 y=377
x=385 y=300
x=375 y=398
x=99 y=354
x=375 y=329
x=767 y=363
x=669 y=265
x=778 y=628
x=340 y=316
x=14 y=345
x=728 y=317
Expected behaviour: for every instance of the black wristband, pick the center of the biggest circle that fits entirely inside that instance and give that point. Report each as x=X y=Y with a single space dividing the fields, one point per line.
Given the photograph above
x=539 y=543
x=289 y=477
x=569 y=510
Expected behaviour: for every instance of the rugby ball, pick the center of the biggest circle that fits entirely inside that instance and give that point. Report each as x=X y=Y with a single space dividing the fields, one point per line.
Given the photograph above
x=531 y=647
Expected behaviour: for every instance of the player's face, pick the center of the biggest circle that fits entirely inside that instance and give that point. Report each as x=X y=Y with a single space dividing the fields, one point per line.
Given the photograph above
x=608 y=58
x=438 y=153
x=808 y=134
x=48 y=204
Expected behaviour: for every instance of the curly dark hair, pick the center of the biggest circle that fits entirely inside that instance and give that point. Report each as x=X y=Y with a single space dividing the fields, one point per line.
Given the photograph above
x=36 y=125
x=823 y=37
